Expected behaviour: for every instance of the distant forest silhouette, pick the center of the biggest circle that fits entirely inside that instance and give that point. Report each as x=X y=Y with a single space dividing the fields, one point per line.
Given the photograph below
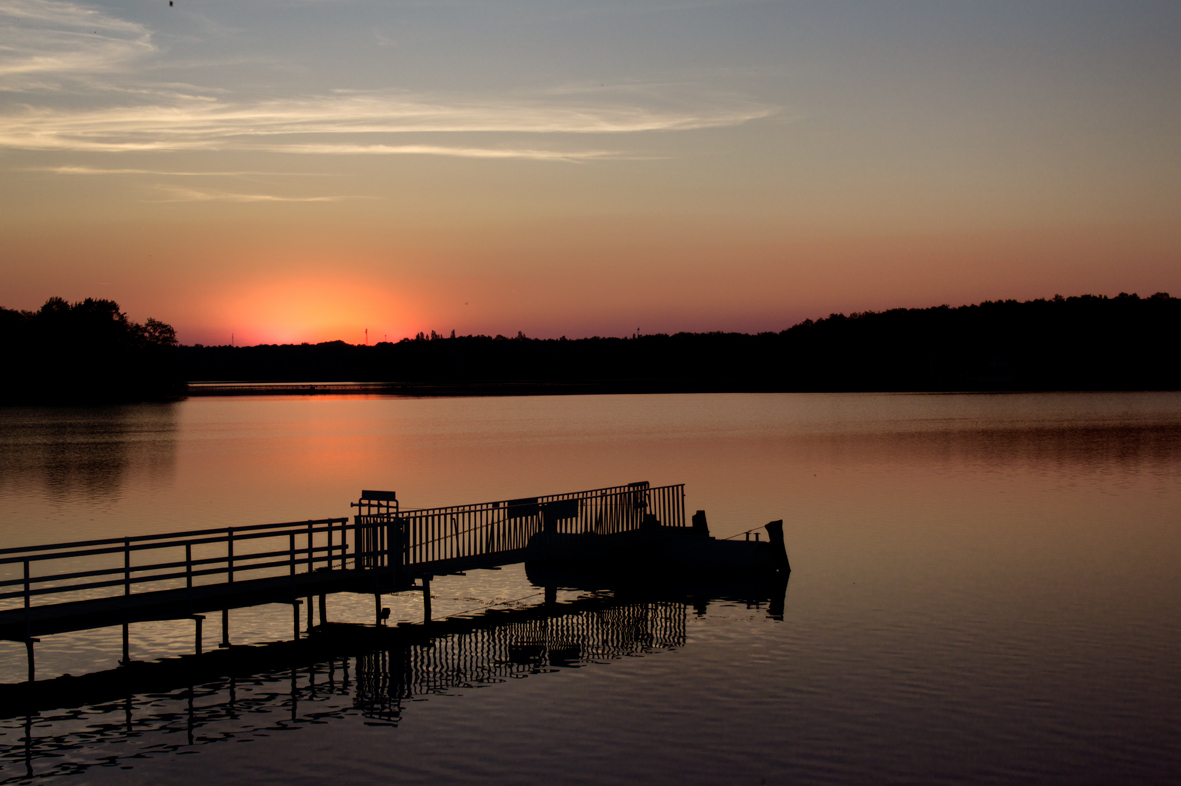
x=1077 y=343
x=87 y=351
x=90 y=351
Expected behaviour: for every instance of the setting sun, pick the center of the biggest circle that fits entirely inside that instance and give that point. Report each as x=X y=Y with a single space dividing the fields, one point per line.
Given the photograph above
x=311 y=310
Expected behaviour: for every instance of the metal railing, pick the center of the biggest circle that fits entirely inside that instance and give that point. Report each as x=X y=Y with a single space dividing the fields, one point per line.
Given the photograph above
x=434 y=535
x=227 y=553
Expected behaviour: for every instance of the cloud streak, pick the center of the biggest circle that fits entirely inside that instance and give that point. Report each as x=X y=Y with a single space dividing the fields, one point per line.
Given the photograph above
x=442 y=150
x=300 y=126
x=46 y=40
x=178 y=194
x=89 y=170
x=39 y=37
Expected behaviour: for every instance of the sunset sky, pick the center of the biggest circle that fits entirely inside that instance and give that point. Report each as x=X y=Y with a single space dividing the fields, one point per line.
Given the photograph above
x=302 y=171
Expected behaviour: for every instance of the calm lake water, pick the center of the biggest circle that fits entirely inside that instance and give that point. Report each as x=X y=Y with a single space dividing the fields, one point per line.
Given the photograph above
x=984 y=589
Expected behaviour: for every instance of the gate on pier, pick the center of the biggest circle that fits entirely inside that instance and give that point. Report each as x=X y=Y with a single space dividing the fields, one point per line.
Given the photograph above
x=379 y=531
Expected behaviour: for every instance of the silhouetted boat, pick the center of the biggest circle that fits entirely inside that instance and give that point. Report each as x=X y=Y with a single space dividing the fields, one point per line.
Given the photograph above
x=685 y=555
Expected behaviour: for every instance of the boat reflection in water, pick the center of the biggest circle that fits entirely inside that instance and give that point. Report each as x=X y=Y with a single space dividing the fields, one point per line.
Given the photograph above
x=122 y=716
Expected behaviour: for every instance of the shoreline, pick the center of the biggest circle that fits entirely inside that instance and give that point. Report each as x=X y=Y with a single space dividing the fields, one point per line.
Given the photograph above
x=536 y=388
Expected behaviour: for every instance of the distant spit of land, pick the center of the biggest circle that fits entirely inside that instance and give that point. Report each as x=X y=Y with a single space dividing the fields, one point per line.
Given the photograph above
x=90 y=351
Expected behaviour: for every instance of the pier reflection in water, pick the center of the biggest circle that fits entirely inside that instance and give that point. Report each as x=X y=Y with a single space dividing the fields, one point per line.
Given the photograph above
x=344 y=671
x=515 y=648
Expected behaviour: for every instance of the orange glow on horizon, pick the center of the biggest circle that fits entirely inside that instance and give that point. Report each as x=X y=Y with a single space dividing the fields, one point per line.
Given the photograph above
x=311 y=310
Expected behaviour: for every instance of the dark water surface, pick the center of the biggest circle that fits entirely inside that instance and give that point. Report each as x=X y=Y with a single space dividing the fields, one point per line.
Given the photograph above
x=984 y=589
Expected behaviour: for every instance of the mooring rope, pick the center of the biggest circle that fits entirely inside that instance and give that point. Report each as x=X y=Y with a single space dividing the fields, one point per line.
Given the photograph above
x=752 y=529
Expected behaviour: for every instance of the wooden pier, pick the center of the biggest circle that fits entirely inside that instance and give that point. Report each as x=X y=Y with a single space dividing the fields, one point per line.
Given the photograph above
x=93 y=584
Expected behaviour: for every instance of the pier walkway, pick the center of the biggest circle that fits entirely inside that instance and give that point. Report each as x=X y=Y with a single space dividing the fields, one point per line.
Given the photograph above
x=93 y=584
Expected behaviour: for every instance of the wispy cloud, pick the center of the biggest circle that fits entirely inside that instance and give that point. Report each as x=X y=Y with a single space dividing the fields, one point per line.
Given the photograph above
x=443 y=150
x=217 y=125
x=89 y=170
x=46 y=40
x=55 y=37
x=177 y=194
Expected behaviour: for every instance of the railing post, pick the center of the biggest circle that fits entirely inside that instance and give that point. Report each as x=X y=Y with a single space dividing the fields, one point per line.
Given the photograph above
x=389 y=547
x=230 y=554
x=331 y=553
x=126 y=591
x=28 y=601
x=311 y=570
x=291 y=554
x=398 y=550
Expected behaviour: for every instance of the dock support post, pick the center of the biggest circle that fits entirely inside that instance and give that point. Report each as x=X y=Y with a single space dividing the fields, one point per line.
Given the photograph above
x=295 y=613
x=225 y=629
x=311 y=617
x=126 y=645
x=426 y=600
x=199 y=619
x=551 y=595
x=32 y=658
x=323 y=609
x=377 y=609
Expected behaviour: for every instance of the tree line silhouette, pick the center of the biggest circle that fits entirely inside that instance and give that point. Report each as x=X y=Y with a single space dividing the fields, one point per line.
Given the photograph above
x=87 y=351
x=90 y=351
x=1077 y=343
